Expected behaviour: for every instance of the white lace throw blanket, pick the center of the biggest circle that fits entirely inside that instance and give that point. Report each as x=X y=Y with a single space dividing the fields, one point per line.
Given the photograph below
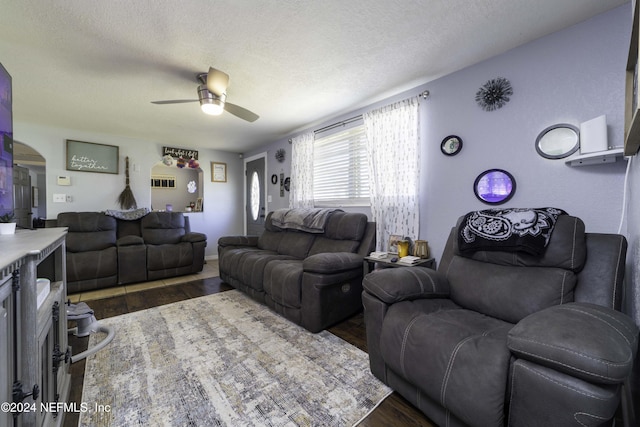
x=311 y=220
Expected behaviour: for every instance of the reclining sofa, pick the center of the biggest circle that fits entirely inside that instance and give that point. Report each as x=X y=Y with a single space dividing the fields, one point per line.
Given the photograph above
x=310 y=276
x=109 y=250
x=501 y=336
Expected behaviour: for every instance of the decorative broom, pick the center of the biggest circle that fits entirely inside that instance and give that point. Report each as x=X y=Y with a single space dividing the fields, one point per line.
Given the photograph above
x=126 y=199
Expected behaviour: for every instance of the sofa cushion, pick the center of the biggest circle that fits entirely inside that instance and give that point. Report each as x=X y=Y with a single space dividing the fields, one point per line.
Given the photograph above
x=566 y=249
x=252 y=265
x=270 y=240
x=230 y=260
x=88 y=231
x=159 y=228
x=162 y=257
x=282 y=282
x=130 y=241
x=323 y=245
x=92 y=264
x=296 y=244
x=507 y=293
x=345 y=226
x=457 y=357
x=569 y=338
x=129 y=227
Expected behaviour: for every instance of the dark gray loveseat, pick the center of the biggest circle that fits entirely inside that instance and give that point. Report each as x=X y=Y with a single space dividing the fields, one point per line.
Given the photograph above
x=312 y=279
x=104 y=251
x=497 y=338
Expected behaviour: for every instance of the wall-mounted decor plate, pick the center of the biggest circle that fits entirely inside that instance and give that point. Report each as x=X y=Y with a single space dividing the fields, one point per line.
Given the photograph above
x=451 y=145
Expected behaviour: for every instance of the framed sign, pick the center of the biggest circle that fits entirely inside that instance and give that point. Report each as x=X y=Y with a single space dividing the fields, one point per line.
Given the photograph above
x=92 y=157
x=218 y=172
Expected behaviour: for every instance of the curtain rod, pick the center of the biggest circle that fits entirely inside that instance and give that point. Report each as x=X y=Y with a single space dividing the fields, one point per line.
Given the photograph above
x=342 y=123
x=423 y=94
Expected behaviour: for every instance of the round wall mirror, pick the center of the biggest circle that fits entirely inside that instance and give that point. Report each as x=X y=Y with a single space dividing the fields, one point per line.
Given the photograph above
x=494 y=186
x=558 y=141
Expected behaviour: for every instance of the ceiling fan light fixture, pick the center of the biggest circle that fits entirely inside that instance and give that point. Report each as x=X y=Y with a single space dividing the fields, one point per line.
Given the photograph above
x=215 y=108
x=210 y=103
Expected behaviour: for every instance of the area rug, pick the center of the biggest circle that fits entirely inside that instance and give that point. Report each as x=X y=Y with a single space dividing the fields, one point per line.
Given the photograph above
x=224 y=360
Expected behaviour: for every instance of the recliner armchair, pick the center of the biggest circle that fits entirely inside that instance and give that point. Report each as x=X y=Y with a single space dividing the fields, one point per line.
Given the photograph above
x=504 y=337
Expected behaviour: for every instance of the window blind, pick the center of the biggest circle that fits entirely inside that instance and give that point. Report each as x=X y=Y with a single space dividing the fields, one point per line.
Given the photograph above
x=340 y=169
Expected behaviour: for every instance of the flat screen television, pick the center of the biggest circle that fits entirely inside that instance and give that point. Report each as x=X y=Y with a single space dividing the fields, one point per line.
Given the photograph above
x=6 y=142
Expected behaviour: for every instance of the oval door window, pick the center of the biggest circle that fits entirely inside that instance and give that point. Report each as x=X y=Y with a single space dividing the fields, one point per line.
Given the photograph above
x=255 y=195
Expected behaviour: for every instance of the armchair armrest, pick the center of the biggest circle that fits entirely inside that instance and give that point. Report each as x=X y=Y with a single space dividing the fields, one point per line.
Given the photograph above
x=238 y=241
x=129 y=241
x=193 y=237
x=392 y=285
x=587 y=341
x=332 y=262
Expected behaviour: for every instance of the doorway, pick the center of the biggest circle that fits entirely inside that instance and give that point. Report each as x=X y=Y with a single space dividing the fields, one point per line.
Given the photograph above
x=22 y=197
x=29 y=186
x=255 y=194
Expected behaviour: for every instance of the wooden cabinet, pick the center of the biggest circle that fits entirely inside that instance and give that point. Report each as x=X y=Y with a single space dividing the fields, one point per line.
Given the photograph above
x=34 y=354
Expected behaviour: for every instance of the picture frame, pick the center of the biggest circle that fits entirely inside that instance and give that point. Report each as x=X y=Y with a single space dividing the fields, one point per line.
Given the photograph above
x=393 y=243
x=198 y=207
x=92 y=157
x=163 y=181
x=218 y=172
x=34 y=196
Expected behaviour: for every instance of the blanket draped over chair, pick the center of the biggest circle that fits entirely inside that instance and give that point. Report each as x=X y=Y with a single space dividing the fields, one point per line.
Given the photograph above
x=311 y=220
x=513 y=229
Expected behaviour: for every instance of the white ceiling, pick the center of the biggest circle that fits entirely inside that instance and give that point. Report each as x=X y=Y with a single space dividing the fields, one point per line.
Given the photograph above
x=95 y=65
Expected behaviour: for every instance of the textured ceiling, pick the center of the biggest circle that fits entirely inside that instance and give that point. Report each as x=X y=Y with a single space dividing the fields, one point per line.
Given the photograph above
x=95 y=65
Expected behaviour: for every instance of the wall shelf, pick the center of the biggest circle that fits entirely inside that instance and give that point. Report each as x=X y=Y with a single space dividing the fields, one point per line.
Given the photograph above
x=597 y=158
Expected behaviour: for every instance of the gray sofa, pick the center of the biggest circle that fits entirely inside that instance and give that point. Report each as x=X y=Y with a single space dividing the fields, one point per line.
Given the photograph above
x=104 y=251
x=503 y=337
x=312 y=279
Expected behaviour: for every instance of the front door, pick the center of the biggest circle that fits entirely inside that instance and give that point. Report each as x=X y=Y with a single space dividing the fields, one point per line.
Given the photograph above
x=255 y=196
x=22 y=196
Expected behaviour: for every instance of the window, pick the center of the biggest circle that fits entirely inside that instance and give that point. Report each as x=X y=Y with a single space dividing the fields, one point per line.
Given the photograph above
x=255 y=195
x=340 y=169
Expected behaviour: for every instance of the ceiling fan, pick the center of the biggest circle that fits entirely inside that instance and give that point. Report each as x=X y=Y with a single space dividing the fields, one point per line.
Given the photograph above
x=212 y=95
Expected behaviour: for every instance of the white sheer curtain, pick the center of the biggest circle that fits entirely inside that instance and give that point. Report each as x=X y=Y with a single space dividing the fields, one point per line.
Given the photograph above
x=393 y=145
x=302 y=171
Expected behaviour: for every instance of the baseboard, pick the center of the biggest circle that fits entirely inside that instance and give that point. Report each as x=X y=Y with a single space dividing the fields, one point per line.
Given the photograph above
x=211 y=258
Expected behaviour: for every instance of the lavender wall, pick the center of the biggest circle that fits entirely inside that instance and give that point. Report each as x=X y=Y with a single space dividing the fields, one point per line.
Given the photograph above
x=567 y=77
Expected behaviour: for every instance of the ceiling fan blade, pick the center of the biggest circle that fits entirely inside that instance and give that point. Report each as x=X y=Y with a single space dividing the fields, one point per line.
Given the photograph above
x=174 y=101
x=217 y=81
x=243 y=113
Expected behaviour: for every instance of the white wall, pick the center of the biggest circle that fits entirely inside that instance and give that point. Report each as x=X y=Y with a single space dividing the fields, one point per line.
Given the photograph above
x=99 y=191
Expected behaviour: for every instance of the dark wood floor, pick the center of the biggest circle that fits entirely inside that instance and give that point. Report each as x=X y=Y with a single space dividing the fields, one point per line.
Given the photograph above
x=394 y=411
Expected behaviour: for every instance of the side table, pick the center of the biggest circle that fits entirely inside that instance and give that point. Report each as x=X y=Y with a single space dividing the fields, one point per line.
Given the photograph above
x=369 y=262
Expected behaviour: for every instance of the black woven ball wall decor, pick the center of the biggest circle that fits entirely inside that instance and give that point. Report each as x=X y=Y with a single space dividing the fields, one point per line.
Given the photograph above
x=494 y=94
